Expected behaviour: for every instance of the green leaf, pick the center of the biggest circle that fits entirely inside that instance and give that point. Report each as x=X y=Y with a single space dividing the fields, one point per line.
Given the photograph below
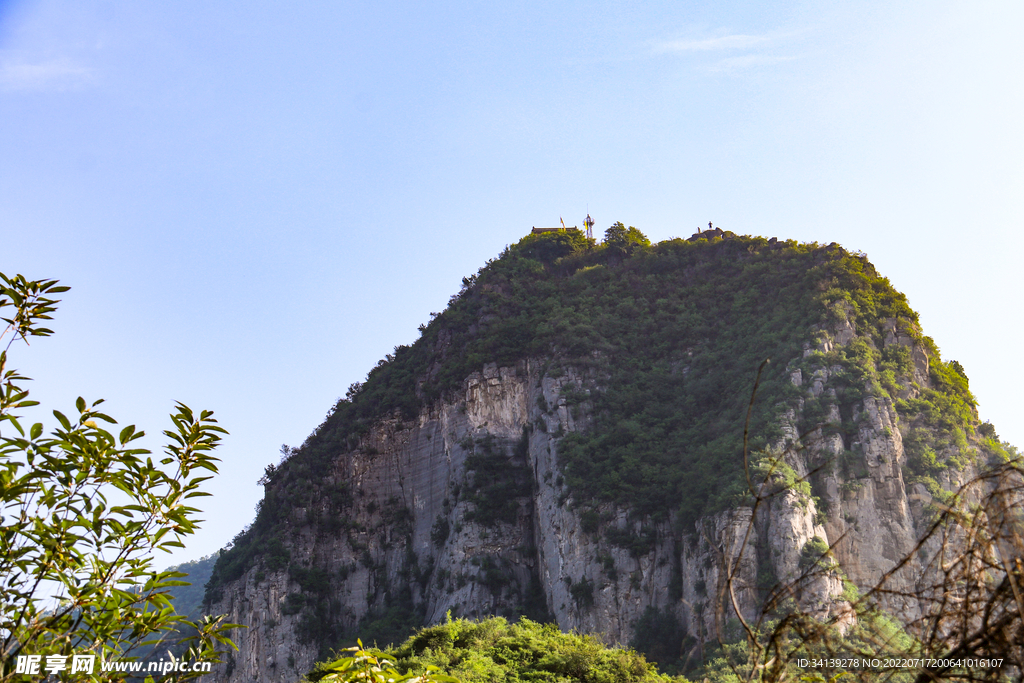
x=14 y=421
x=126 y=434
x=64 y=422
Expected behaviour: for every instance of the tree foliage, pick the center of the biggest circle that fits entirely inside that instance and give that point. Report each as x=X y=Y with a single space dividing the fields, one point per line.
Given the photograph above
x=83 y=508
x=623 y=239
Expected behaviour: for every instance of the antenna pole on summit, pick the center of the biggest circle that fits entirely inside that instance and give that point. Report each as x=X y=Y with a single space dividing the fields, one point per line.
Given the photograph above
x=589 y=222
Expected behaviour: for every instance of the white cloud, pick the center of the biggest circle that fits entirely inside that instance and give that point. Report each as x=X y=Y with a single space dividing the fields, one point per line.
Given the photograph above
x=56 y=74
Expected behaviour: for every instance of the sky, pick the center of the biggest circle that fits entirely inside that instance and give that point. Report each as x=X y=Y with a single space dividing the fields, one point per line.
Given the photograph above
x=255 y=202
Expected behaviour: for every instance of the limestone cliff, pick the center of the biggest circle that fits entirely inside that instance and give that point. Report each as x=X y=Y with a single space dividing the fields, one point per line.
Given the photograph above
x=465 y=505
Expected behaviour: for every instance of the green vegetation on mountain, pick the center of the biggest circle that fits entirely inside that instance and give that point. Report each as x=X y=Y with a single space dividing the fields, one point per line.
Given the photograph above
x=672 y=335
x=495 y=651
x=492 y=650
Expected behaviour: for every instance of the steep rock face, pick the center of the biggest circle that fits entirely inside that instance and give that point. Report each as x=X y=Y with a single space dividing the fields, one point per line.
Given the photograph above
x=464 y=509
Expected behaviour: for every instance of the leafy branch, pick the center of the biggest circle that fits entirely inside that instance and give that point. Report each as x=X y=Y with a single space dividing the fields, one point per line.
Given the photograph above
x=82 y=510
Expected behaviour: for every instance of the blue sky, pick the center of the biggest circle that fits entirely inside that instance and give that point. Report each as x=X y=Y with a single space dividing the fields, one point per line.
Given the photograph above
x=254 y=202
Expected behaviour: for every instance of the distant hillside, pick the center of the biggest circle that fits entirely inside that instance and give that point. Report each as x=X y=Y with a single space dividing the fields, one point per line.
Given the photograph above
x=189 y=599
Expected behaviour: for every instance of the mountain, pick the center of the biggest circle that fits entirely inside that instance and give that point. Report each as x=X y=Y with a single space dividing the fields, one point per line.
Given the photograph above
x=566 y=442
x=188 y=600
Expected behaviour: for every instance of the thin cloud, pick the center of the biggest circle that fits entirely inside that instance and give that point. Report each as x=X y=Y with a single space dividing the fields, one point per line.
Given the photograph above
x=736 y=41
x=733 y=52
x=57 y=74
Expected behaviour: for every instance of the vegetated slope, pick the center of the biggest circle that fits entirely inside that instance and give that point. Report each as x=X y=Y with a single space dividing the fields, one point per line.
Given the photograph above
x=564 y=441
x=677 y=331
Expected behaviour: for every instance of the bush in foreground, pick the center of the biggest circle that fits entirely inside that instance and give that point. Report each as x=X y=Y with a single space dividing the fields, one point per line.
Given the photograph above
x=493 y=650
